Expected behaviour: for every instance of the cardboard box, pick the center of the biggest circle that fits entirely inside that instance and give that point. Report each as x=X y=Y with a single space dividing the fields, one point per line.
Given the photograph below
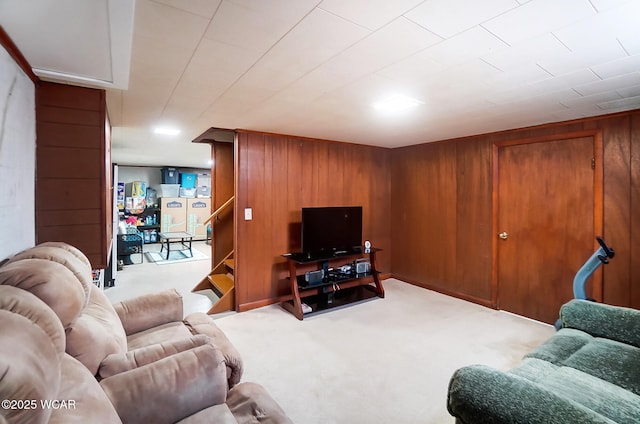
x=173 y=214
x=136 y=189
x=198 y=211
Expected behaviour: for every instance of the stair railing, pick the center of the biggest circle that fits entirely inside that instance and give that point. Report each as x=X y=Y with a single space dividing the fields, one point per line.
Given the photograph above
x=219 y=210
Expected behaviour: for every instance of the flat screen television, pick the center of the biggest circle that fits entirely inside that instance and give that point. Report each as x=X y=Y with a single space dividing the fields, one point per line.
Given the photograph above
x=331 y=230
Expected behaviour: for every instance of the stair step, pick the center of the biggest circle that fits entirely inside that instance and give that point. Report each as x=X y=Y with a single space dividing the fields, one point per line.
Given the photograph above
x=229 y=263
x=221 y=282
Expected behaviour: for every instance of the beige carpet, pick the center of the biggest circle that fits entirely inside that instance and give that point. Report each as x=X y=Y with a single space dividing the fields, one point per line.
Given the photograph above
x=383 y=361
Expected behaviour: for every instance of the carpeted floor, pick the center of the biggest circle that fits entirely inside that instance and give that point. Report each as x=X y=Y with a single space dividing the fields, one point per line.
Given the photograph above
x=383 y=361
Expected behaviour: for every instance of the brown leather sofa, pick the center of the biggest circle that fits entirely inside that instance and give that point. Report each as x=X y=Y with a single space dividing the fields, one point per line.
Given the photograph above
x=136 y=361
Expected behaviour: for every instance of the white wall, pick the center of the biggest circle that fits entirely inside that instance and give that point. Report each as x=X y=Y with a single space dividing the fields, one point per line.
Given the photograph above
x=17 y=158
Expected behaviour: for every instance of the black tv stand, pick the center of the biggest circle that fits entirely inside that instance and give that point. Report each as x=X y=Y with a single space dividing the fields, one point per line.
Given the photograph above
x=336 y=288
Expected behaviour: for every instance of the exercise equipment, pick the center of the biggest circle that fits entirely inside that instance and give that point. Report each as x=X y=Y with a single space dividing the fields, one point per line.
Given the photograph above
x=600 y=257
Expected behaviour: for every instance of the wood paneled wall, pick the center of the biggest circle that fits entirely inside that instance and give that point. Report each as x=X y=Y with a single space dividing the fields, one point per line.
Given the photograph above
x=276 y=176
x=441 y=217
x=73 y=169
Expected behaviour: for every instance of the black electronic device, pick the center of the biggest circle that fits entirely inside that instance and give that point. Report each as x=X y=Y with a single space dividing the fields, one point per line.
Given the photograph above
x=313 y=278
x=331 y=230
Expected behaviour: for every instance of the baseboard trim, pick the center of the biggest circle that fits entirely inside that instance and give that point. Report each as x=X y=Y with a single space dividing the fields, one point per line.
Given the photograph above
x=463 y=296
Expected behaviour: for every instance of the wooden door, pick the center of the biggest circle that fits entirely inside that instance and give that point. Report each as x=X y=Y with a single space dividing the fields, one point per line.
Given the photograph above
x=548 y=214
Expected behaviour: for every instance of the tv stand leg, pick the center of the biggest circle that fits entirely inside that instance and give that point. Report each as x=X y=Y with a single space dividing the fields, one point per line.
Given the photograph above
x=295 y=307
x=376 y=275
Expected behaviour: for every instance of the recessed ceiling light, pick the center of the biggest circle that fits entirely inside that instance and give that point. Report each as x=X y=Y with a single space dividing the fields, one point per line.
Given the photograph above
x=166 y=130
x=397 y=103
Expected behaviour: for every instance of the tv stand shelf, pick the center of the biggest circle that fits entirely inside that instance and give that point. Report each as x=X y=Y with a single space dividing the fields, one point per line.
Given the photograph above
x=333 y=291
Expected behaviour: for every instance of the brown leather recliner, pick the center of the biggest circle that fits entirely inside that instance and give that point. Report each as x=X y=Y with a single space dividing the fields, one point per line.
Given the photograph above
x=40 y=383
x=110 y=338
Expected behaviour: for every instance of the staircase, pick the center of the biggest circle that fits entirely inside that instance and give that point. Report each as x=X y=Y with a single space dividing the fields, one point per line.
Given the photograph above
x=220 y=279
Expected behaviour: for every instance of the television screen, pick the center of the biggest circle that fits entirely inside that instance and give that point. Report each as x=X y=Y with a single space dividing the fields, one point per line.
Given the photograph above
x=331 y=229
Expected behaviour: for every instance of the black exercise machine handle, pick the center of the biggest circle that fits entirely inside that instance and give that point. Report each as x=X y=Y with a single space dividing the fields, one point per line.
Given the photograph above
x=607 y=250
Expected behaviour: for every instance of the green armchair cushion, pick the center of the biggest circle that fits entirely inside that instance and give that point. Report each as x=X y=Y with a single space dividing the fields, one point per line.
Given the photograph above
x=601 y=320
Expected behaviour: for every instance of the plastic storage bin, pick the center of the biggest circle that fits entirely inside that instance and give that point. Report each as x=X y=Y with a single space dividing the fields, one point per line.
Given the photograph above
x=188 y=180
x=169 y=190
x=170 y=176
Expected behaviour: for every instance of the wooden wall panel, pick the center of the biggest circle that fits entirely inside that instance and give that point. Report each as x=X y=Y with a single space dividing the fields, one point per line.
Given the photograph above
x=442 y=193
x=222 y=182
x=278 y=175
x=423 y=211
x=73 y=169
x=617 y=207
x=473 y=219
x=634 y=233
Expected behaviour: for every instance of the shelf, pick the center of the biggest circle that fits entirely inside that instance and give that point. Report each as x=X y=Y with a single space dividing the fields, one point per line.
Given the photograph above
x=335 y=290
x=308 y=257
x=303 y=285
x=332 y=300
x=148 y=227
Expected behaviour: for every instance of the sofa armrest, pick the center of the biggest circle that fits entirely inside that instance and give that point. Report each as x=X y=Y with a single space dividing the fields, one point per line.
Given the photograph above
x=118 y=362
x=170 y=389
x=201 y=323
x=480 y=394
x=148 y=311
x=601 y=320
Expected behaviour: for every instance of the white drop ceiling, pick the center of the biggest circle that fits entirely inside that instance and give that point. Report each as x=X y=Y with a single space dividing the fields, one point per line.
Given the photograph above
x=314 y=68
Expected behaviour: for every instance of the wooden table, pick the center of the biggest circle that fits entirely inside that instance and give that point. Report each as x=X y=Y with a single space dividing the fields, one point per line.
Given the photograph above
x=166 y=239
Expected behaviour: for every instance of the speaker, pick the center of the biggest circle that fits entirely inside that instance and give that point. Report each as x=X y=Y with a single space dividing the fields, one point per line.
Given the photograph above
x=362 y=267
x=314 y=277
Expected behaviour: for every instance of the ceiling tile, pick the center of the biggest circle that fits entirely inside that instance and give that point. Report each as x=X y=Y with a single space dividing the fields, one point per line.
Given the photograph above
x=310 y=43
x=615 y=83
x=390 y=44
x=530 y=51
x=592 y=54
x=537 y=17
x=221 y=57
x=256 y=25
x=583 y=76
x=436 y=16
x=168 y=25
x=473 y=43
x=618 y=67
x=630 y=91
x=622 y=104
x=371 y=14
x=517 y=76
x=413 y=70
x=586 y=101
x=204 y=8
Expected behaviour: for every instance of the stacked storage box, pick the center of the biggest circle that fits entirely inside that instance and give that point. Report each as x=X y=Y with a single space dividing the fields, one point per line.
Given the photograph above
x=185 y=214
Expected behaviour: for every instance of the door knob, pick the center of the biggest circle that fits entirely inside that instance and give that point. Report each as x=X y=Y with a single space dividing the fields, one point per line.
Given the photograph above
x=503 y=235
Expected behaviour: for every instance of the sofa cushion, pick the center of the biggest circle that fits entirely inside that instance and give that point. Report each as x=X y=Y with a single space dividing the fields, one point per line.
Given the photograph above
x=97 y=333
x=602 y=397
x=160 y=334
x=86 y=402
x=219 y=414
x=50 y=281
x=609 y=360
x=29 y=360
x=558 y=348
x=65 y=255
